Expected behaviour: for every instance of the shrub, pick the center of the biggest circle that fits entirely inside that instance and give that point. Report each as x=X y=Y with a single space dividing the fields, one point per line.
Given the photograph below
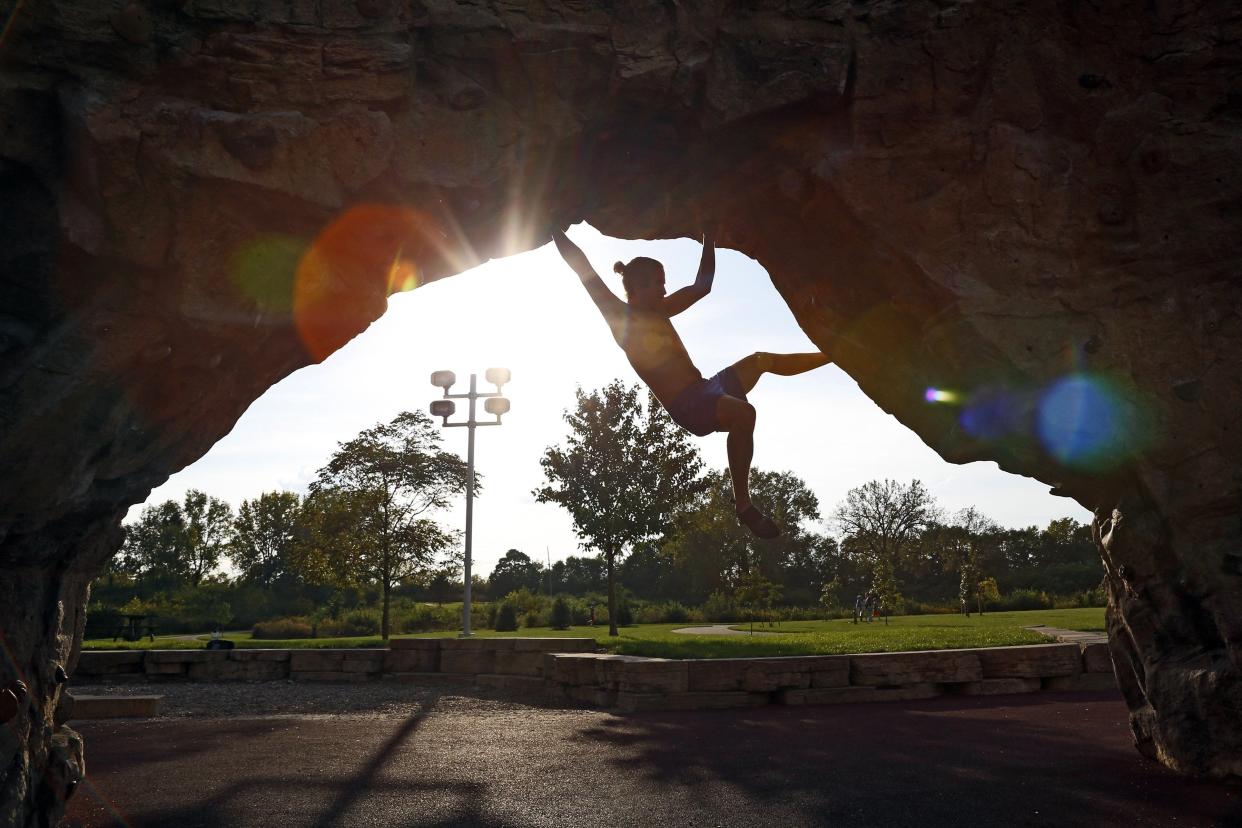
x=561 y=615
x=354 y=622
x=1024 y=599
x=625 y=618
x=506 y=618
x=532 y=618
x=419 y=618
x=281 y=628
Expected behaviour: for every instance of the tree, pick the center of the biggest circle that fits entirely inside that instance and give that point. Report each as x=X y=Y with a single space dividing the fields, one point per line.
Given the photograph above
x=447 y=574
x=883 y=520
x=972 y=526
x=155 y=545
x=623 y=474
x=265 y=533
x=373 y=499
x=714 y=551
x=208 y=529
x=513 y=572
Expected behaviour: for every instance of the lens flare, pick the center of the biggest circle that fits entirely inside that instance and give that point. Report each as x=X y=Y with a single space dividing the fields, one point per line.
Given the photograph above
x=939 y=395
x=343 y=280
x=993 y=413
x=1087 y=421
x=264 y=271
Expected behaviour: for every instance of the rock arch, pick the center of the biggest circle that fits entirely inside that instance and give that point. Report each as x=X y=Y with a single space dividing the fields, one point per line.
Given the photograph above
x=1032 y=205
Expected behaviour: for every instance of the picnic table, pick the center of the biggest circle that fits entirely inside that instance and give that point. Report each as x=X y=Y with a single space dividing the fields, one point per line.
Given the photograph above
x=132 y=629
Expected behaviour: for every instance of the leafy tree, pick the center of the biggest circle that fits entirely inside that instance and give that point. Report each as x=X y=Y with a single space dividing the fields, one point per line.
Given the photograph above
x=577 y=576
x=987 y=591
x=265 y=534
x=714 y=551
x=756 y=592
x=208 y=529
x=513 y=572
x=374 y=497
x=447 y=574
x=883 y=520
x=154 y=549
x=625 y=470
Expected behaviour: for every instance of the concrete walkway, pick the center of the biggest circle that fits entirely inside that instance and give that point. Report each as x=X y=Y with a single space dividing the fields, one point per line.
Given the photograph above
x=1040 y=759
x=719 y=629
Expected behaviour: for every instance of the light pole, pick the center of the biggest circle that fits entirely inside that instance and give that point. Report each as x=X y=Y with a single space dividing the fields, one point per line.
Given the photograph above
x=495 y=404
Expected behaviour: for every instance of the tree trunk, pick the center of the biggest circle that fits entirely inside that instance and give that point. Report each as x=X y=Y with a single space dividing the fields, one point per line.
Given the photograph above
x=612 y=597
x=384 y=616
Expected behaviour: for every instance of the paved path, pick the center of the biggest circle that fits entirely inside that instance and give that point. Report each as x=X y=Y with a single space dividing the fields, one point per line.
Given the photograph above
x=1046 y=759
x=719 y=629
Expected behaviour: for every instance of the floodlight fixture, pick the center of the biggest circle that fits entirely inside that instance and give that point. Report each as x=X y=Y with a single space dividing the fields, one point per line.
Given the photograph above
x=494 y=403
x=498 y=376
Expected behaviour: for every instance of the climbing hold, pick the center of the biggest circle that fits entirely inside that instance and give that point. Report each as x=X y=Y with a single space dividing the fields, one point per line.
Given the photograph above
x=60 y=675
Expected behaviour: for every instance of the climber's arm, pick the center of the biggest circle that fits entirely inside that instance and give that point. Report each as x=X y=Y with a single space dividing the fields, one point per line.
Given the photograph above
x=678 y=301
x=607 y=302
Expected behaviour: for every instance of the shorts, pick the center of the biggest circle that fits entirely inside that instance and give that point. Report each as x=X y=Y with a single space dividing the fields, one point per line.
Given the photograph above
x=694 y=409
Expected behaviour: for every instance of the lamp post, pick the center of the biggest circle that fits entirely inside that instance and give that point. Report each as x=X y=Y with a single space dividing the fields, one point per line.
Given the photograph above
x=496 y=405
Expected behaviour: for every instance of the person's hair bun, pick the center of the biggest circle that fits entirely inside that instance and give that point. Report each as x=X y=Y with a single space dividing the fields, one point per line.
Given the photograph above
x=618 y=267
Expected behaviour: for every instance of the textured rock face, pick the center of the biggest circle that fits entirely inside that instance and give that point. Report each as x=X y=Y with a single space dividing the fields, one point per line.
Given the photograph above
x=1032 y=207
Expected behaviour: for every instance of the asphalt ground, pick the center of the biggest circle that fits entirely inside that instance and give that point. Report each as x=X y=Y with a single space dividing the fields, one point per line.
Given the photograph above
x=1055 y=759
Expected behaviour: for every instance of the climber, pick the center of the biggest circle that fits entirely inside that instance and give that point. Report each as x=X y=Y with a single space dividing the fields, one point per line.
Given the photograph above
x=642 y=328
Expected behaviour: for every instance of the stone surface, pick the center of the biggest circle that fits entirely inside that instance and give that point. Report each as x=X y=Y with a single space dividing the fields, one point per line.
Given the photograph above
x=998 y=686
x=529 y=685
x=109 y=662
x=316 y=660
x=467 y=661
x=1095 y=659
x=412 y=661
x=876 y=669
x=858 y=695
x=258 y=670
x=946 y=194
x=764 y=675
x=1030 y=662
x=527 y=663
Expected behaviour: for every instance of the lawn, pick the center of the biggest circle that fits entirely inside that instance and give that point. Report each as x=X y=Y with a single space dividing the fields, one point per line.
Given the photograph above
x=910 y=632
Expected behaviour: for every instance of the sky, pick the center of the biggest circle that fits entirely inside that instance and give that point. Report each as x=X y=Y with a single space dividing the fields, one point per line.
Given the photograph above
x=530 y=314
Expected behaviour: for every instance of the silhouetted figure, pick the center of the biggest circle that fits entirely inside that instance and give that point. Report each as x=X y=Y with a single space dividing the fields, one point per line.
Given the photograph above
x=642 y=328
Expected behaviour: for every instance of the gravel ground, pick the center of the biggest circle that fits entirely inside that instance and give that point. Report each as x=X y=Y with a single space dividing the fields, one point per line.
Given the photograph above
x=372 y=699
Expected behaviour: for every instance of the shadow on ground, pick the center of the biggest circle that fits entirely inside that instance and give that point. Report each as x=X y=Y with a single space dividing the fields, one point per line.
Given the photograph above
x=1052 y=759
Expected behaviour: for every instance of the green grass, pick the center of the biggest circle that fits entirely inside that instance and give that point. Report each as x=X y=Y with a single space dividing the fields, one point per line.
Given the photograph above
x=911 y=632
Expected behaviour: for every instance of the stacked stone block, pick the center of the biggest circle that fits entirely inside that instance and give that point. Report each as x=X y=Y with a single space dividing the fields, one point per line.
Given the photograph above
x=569 y=670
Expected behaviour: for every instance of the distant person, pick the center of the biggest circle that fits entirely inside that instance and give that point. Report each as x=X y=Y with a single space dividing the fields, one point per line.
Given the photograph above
x=858 y=607
x=641 y=326
x=868 y=606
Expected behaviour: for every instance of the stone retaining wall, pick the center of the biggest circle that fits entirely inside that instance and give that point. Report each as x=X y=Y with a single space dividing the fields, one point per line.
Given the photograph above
x=569 y=670
x=409 y=657
x=634 y=684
